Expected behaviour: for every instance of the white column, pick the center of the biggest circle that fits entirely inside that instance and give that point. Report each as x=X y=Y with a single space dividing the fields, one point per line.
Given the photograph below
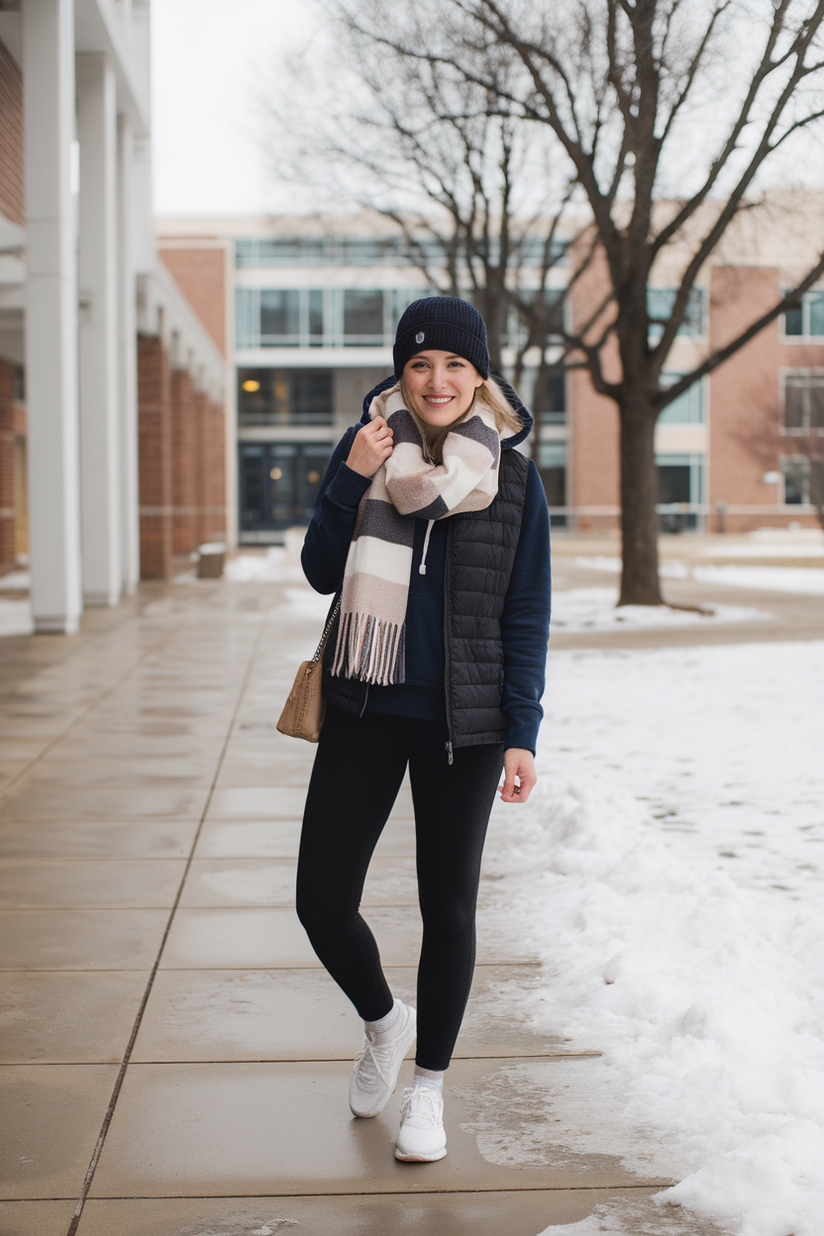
x=127 y=329
x=99 y=393
x=51 y=315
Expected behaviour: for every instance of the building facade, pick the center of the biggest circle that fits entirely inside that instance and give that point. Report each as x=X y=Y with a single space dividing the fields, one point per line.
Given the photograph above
x=310 y=314
x=104 y=366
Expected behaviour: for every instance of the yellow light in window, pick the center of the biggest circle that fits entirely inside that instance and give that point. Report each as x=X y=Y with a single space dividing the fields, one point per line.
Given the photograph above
x=251 y=385
x=276 y=474
x=313 y=477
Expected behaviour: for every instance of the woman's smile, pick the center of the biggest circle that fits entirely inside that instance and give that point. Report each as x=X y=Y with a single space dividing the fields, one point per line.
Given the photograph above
x=440 y=387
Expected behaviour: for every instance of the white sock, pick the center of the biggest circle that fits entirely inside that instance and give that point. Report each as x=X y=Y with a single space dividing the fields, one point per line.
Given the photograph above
x=384 y=1023
x=428 y=1078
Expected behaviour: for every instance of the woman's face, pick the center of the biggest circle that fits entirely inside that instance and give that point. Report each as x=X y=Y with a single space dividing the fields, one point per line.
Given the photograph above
x=441 y=386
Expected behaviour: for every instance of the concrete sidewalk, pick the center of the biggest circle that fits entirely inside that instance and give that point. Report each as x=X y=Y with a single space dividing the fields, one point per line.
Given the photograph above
x=174 y=1061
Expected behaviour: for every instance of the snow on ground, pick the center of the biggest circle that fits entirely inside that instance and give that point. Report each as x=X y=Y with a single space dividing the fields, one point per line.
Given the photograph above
x=594 y=609
x=670 y=865
x=809 y=581
x=277 y=565
x=15 y=581
x=15 y=618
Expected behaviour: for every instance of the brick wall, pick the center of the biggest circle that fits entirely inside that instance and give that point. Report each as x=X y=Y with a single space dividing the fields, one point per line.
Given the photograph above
x=745 y=398
x=184 y=450
x=12 y=200
x=155 y=435
x=181 y=445
x=593 y=471
x=201 y=276
x=7 y=538
x=216 y=473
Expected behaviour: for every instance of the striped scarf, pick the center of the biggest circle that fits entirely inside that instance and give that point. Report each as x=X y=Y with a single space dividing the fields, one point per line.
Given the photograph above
x=370 y=644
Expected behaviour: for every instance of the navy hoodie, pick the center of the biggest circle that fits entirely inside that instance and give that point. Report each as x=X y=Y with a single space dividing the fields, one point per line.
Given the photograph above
x=525 y=618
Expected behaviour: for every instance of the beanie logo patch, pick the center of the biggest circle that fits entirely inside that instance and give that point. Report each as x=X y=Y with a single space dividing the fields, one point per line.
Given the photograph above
x=419 y=338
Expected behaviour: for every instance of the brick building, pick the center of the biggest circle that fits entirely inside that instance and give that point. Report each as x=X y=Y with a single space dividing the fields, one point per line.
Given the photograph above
x=310 y=312
x=112 y=417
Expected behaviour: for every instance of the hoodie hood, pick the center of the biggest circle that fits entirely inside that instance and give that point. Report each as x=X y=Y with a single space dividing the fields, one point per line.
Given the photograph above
x=508 y=391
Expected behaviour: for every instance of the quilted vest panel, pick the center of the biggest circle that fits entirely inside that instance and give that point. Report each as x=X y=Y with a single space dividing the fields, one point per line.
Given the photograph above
x=480 y=555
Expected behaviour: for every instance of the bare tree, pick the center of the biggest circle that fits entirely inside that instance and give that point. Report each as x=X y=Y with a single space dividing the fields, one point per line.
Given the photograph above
x=475 y=194
x=670 y=113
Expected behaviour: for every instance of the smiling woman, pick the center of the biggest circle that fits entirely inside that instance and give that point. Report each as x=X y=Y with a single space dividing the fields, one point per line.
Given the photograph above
x=434 y=533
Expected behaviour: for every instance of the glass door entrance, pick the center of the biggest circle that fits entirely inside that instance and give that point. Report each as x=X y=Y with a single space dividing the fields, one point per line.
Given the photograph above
x=279 y=484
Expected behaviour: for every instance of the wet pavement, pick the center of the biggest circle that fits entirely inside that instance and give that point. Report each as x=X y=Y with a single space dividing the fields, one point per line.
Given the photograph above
x=173 y=1060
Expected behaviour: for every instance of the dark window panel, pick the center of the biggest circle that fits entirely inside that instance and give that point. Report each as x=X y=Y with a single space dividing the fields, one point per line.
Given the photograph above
x=673 y=483
x=363 y=314
x=280 y=313
x=284 y=397
x=816 y=394
x=793 y=406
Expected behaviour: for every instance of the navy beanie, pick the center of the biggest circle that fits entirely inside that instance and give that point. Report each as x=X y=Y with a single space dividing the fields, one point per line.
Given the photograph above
x=445 y=324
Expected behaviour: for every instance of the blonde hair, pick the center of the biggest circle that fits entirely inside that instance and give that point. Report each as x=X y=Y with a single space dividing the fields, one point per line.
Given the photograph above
x=488 y=393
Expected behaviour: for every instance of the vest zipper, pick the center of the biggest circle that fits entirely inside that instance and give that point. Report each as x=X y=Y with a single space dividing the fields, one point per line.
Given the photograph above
x=447 y=622
x=429 y=526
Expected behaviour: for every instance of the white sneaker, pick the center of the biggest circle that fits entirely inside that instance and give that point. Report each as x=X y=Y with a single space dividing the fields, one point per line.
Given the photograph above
x=377 y=1064
x=421 y=1138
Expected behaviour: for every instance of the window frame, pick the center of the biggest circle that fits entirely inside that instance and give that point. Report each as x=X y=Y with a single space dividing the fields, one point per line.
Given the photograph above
x=248 y=303
x=805 y=336
x=698 y=296
x=791 y=376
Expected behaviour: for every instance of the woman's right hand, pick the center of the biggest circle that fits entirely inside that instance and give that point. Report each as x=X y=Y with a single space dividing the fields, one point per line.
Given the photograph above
x=371 y=448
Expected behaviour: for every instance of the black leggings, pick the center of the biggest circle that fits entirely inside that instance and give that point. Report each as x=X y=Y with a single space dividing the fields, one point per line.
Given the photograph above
x=358 y=770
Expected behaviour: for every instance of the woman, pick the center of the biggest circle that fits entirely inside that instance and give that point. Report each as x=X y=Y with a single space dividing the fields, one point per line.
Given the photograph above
x=436 y=535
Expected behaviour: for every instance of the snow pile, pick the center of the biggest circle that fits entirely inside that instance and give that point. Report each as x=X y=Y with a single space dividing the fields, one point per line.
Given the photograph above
x=807 y=581
x=15 y=618
x=248 y=567
x=594 y=609
x=15 y=581
x=708 y=998
x=705 y=992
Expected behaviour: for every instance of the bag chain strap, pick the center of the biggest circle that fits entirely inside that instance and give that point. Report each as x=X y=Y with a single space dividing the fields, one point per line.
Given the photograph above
x=325 y=636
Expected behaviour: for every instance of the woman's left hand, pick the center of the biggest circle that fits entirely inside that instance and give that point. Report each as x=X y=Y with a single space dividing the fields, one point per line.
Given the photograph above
x=518 y=762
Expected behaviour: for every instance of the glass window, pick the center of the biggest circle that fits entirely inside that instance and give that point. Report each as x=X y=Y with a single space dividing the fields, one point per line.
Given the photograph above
x=688 y=408
x=816 y=394
x=284 y=397
x=552 y=465
x=553 y=411
x=680 y=479
x=804 y=403
x=362 y=316
x=816 y=303
x=795 y=482
x=247 y=318
x=279 y=316
x=673 y=483
x=320 y=317
x=659 y=305
x=807 y=317
x=315 y=317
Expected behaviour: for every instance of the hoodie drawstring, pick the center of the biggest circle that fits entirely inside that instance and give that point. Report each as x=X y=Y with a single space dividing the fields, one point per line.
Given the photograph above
x=429 y=526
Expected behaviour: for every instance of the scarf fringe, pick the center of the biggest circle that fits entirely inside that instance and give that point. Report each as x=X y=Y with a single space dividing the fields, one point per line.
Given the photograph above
x=370 y=649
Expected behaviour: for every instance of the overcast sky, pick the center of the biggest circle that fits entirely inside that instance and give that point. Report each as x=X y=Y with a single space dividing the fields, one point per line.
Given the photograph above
x=210 y=61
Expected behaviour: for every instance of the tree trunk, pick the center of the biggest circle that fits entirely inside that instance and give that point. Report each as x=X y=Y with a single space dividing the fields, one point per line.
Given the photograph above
x=639 y=501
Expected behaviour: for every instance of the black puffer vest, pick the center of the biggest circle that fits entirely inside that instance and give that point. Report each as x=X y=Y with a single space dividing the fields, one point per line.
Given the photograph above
x=480 y=553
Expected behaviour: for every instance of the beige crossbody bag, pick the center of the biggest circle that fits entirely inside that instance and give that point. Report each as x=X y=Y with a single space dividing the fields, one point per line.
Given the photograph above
x=305 y=709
